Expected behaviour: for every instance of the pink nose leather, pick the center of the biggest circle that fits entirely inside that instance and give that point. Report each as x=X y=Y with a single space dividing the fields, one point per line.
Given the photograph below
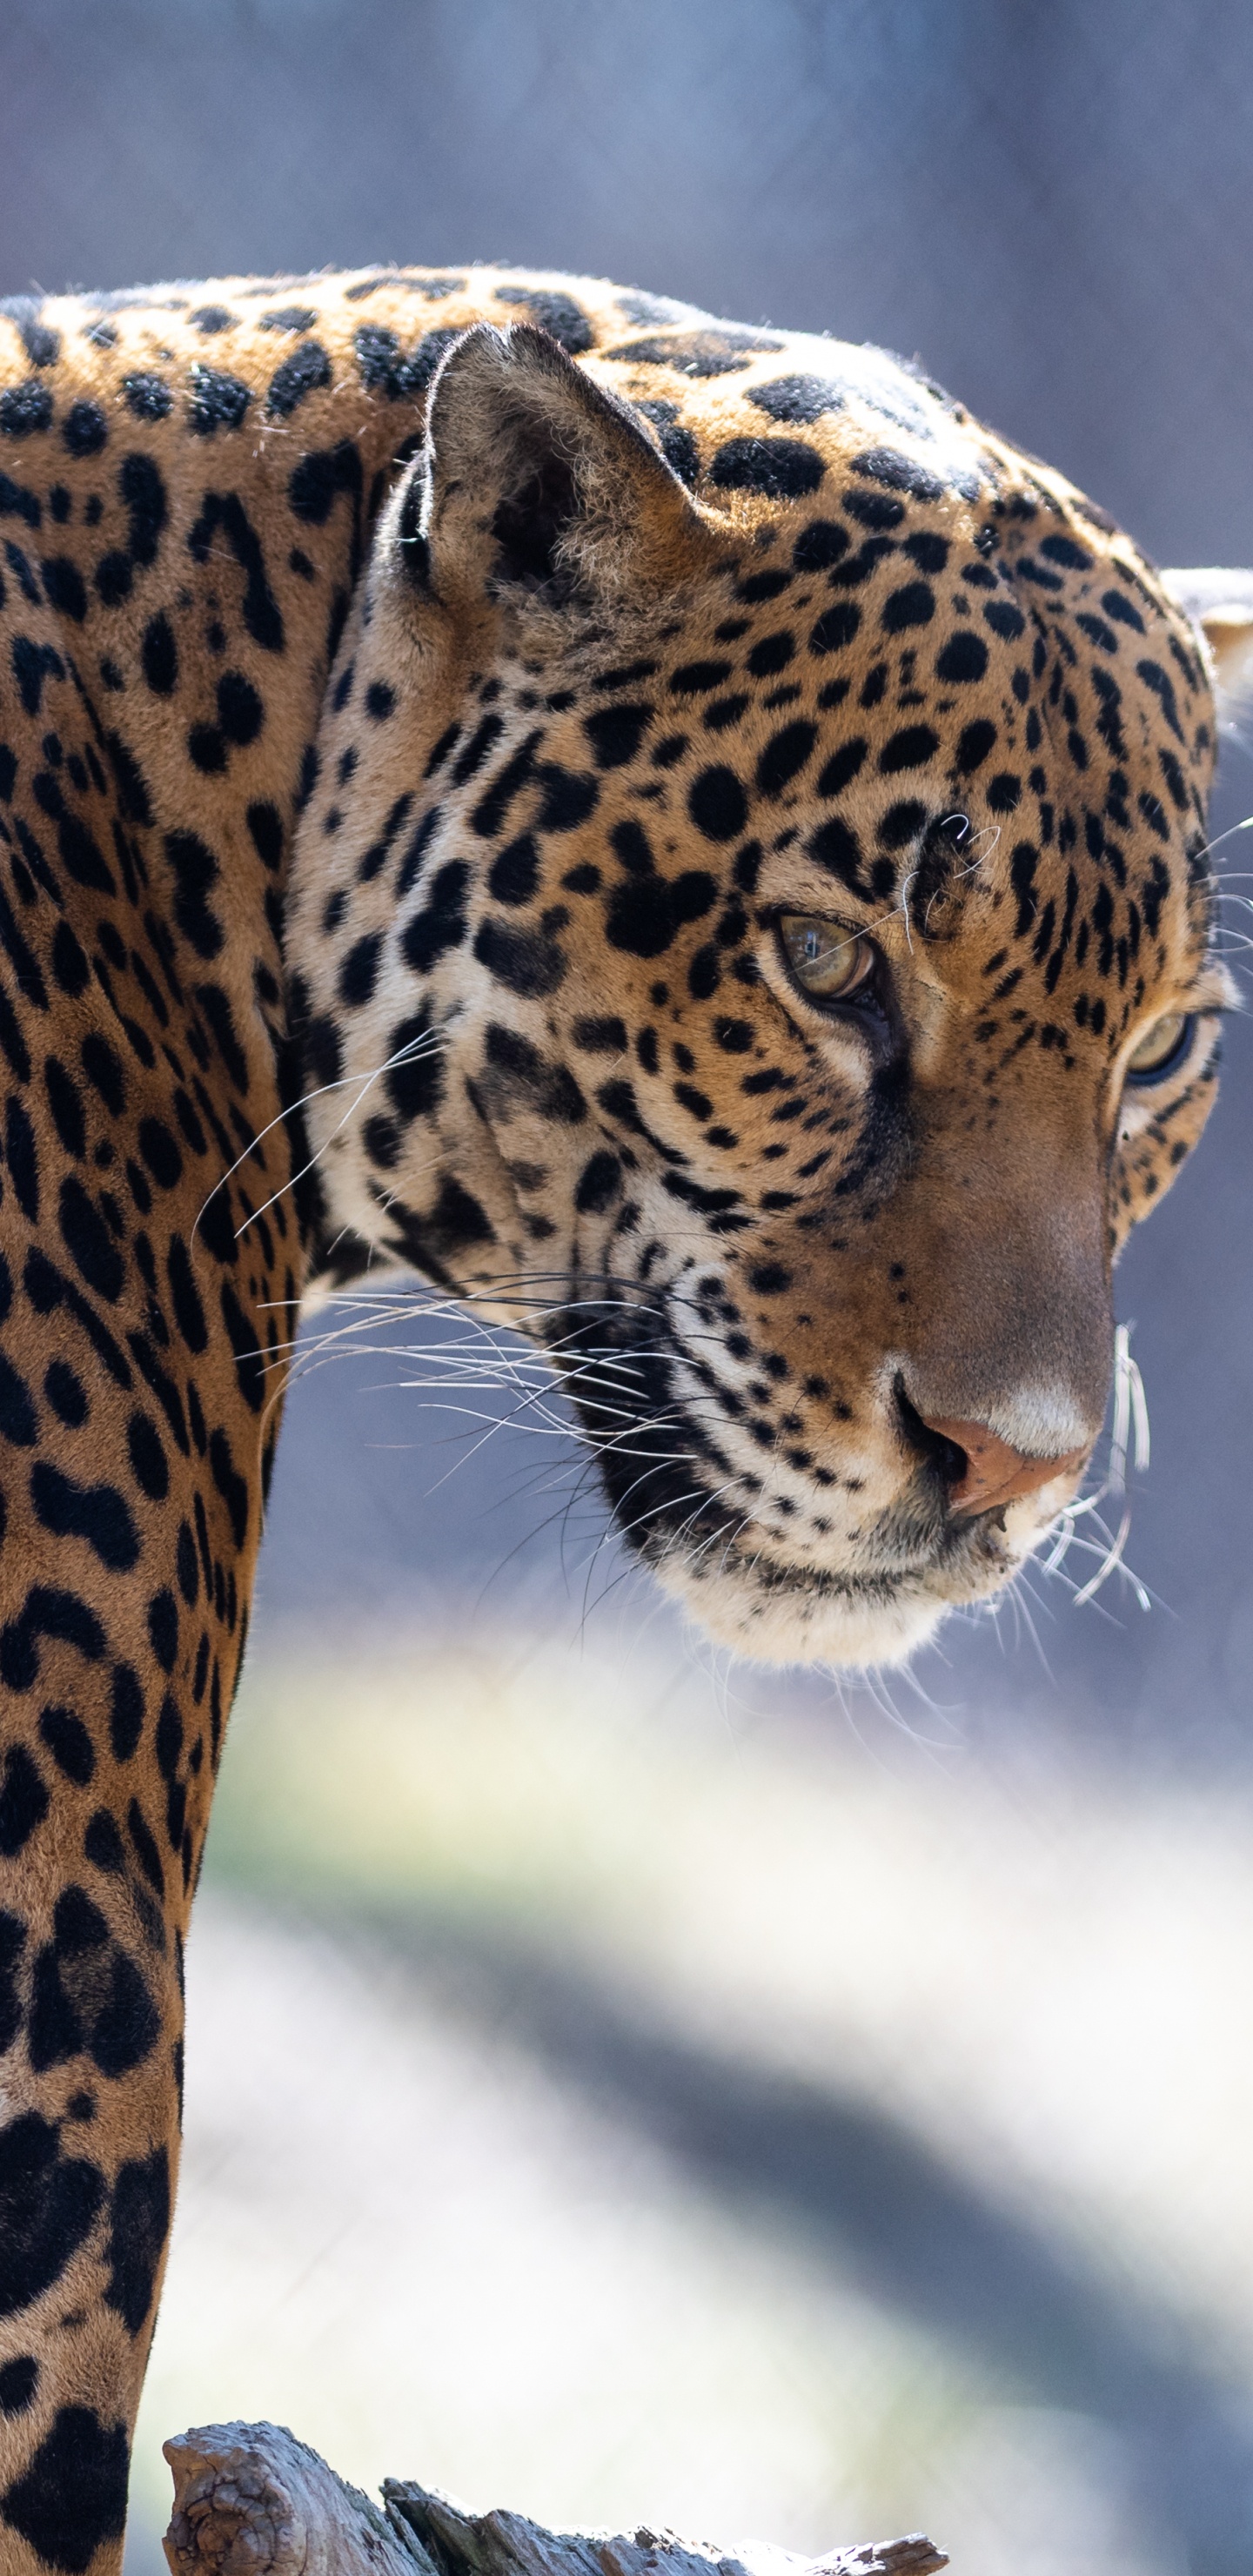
x=995 y=1473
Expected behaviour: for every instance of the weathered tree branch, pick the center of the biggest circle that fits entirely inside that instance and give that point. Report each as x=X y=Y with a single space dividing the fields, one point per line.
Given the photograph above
x=249 y=2500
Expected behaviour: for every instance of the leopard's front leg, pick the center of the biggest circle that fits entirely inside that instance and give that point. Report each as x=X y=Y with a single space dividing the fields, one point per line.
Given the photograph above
x=133 y=1412
x=89 y=2150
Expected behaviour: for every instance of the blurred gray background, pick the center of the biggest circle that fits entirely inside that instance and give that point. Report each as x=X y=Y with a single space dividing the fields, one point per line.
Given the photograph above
x=1049 y=203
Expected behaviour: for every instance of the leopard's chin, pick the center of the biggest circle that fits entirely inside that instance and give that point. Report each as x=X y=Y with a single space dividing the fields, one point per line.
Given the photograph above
x=801 y=1624
x=851 y=1621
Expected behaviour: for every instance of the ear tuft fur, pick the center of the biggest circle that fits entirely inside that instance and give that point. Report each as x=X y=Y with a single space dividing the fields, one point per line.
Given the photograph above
x=531 y=519
x=536 y=481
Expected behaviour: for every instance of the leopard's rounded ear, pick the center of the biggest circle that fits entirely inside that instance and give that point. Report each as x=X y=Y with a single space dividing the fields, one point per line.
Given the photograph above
x=1219 y=602
x=535 y=480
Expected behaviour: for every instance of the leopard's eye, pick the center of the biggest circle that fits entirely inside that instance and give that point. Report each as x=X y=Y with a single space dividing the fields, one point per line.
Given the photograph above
x=829 y=962
x=1161 y=1048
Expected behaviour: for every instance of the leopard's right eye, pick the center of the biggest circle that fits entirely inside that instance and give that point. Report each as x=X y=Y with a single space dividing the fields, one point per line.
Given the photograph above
x=828 y=961
x=1162 y=1048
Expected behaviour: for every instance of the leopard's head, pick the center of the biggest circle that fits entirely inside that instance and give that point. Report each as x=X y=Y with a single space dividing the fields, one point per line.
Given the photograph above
x=760 y=943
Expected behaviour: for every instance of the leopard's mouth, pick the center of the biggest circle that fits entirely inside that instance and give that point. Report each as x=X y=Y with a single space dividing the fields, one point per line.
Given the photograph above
x=681 y=1502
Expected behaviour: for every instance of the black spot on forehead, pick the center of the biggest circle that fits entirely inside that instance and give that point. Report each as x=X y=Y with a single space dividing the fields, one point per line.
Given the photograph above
x=630 y=843
x=842 y=767
x=913 y=605
x=307 y=371
x=215 y=400
x=723 y=351
x=781 y=469
x=784 y=756
x=681 y=453
x=900 y=473
x=717 y=804
x=25 y=409
x=835 y=847
x=901 y=824
x=554 y=312
x=964 y=659
x=615 y=734
x=772 y=654
x=289 y=317
x=625 y=675
x=974 y=744
x=415 y=281
x=908 y=749
x=1063 y=550
x=148 y=396
x=696 y=679
x=875 y=510
x=41 y=343
x=757 y=586
x=389 y=369
x=646 y=912
x=84 y=430
x=678 y=444
x=797 y=398
x=822 y=543
x=836 y=628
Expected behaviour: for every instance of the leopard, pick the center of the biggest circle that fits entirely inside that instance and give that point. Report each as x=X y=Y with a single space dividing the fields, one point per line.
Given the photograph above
x=668 y=830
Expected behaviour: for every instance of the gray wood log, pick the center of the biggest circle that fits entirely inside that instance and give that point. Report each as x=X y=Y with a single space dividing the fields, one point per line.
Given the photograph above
x=250 y=2500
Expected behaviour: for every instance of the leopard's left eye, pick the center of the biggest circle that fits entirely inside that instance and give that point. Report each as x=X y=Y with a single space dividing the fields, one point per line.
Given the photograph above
x=829 y=962
x=1162 y=1048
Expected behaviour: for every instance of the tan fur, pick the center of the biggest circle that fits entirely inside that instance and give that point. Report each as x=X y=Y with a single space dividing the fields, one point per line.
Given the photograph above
x=192 y=483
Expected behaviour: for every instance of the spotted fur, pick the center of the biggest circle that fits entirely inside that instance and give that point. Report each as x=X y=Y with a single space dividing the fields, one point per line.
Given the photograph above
x=569 y=639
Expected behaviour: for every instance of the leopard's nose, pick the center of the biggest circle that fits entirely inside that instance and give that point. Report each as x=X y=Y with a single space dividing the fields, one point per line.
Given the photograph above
x=982 y=1471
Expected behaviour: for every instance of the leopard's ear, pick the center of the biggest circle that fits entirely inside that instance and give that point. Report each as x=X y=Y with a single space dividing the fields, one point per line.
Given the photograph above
x=1220 y=605
x=535 y=481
